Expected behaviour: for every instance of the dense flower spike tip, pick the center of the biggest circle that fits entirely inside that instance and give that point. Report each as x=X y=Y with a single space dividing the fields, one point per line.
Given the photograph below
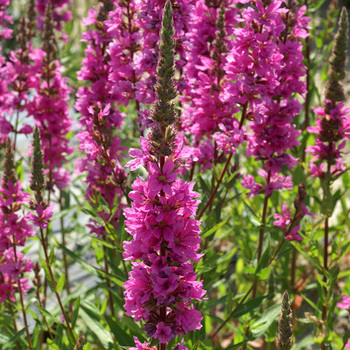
x=163 y=113
x=37 y=182
x=284 y=339
x=165 y=236
x=9 y=164
x=336 y=73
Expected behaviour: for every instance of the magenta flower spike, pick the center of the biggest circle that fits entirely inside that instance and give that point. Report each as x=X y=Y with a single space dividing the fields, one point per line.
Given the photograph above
x=165 y=236
x=99 y=117
x=266 y=70
x=207 y=108
x=333 y=123
x=49 y=107
x=14 y=231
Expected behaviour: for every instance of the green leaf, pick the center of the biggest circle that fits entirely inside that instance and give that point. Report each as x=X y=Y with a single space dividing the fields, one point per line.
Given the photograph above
x=76 y=312
x=253 y=218
x=46 y=313
x=59 y=336
x=60 y=283
x=249 y=306
x=121 y=226
x=86 y=266
x=264 y=260
x=314 y=262
x=261 y=325
x=123 y=338
x=214 y=228
x=52 y=256
x=12 y=340
x=61 y=213
x=264 y=274
x=114 y=209
x=196 y=344
x=90 y=315
x=101 y=241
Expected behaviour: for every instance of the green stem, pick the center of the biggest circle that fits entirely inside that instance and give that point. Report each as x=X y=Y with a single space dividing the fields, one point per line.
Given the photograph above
x=43 y=242
x=65 y=259
x=325 y=265
x=14 y=324
x=21 y=299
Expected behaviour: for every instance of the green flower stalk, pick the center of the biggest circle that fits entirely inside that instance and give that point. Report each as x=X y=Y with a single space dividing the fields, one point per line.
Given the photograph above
x=9 y=165
x=284 y=339
x=37 y=183
x=336 y=73
x=163 y=113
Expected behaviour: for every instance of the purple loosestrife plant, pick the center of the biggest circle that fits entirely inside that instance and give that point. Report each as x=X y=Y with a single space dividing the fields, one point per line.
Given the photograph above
x=18 y=72
x=333 y=125
x=49 y=108
x=150 y=17
x=125 y=69
x=59 y=14
x=266 y=67
x=135 y=26
x=5 y=20
x=332 y=130
x=5 y=96
x=98 y=119
x=165 y=237
x=266 y=64
x=14 y=231
x=207 y=110
x=15 y=79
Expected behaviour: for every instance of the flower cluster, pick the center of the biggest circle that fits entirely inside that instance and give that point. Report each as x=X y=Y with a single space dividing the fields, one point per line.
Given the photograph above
x=330 y=128
x=14 y=231
x=5 y=20
x=98 y=119
x=266 y=68
x=17 y=78
x=125 y=69
x=165 y=236
x=134 y=27
x=206 y=111
x=333 y=125
x=49 y=107
x=59 y=14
